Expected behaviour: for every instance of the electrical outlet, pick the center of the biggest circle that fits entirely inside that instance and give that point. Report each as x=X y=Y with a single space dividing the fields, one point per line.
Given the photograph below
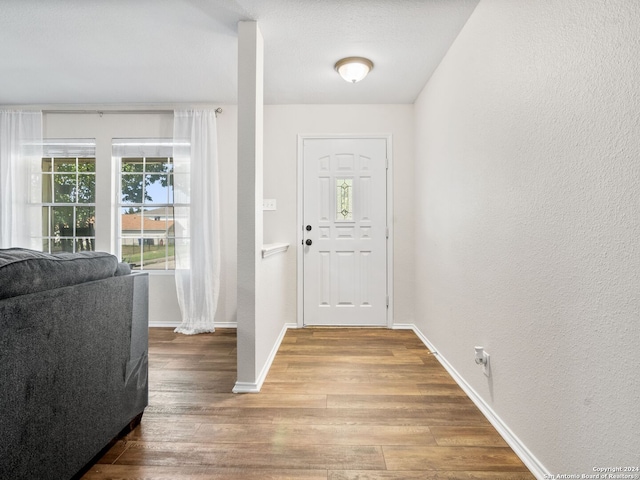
x=486 y=369
x=482 y=358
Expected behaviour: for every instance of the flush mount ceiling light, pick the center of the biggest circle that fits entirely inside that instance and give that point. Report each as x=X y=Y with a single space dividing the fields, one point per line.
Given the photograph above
x=353 y=69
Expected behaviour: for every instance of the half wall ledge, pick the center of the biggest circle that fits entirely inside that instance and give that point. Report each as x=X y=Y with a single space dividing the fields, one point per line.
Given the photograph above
x=273 y=248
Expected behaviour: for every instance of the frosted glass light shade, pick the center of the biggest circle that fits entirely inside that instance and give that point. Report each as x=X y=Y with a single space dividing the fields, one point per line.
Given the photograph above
x=353 y=69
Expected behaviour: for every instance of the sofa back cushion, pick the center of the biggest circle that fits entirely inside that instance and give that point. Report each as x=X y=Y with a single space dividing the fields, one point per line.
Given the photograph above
x=25 y=271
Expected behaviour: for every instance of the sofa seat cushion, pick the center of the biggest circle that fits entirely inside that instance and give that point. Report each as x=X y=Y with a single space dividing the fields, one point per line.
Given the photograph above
x=24 y=271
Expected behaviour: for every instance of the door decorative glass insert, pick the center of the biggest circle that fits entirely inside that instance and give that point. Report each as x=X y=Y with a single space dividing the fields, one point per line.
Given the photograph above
x=344 y=199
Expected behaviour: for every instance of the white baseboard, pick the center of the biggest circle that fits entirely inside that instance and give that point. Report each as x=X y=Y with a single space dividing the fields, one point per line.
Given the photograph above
x=226 y=325
x=163 y=324
x=532 y=463
x=246 y=387
x=177 y=324
x=405 y=326
x=254 y=387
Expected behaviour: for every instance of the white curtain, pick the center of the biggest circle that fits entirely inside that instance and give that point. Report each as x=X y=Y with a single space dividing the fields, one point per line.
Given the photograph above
x=197 y=224
x=20 y=179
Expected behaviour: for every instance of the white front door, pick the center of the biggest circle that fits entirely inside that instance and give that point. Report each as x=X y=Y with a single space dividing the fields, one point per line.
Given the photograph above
x=345 y=231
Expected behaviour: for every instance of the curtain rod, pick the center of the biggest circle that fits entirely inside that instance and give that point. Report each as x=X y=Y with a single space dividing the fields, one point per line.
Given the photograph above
x=119 y=112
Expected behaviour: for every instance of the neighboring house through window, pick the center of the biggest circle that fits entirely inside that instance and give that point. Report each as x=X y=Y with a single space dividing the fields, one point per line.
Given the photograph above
x=146 y=236
x=68 y=195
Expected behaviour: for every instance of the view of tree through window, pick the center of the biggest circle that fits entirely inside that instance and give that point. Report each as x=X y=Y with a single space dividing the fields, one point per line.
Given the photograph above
x=68 y=204
x=147 y=236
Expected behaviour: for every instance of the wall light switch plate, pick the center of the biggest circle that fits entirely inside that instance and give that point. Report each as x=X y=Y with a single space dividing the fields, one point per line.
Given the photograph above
x=269 y=204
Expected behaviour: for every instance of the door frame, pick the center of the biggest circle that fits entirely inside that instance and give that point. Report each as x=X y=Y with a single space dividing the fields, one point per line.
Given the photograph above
x=300 y=215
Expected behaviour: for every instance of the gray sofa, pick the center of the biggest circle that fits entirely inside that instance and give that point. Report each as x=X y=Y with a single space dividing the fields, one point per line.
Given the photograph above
x=73 y=359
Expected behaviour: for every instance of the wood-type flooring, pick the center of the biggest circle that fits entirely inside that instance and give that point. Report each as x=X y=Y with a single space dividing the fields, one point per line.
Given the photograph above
x=337 y=404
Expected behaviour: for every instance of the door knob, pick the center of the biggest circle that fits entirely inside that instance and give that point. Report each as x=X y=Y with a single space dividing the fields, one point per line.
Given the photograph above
x=308 y=242
x=308 y=228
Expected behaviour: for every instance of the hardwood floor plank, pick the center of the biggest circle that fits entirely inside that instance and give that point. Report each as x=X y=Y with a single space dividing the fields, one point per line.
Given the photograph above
x=342 y=388
x=241 y=401
x=204 y=365
x=467 y=436
x=152 y=472
x=154 y=430
x=199 y=414
x=439 y=415
x=334 y=351
x=252 y=456
x=394 y=401
x=414 y=373
x=299 y=376
x=212 y=381
x=308 y=361
x=292 y=434
x=429 y=389
x=425 y=475
x=449 y=458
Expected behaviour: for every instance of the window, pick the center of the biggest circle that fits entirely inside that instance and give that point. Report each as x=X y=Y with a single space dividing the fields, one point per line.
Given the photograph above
x=146 y=207
x=68 y=195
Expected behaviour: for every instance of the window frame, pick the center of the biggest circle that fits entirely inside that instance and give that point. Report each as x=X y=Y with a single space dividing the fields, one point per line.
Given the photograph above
x=144 y=149
x=69 y=149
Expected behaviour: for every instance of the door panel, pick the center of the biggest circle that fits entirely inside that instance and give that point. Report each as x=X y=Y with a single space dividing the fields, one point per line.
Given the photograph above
x=345 y=202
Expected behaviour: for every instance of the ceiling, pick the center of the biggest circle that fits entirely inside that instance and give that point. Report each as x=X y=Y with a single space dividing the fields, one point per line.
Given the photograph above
x=185 y=51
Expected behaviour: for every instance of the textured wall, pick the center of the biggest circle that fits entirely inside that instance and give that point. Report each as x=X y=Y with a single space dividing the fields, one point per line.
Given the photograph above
x=527 y=222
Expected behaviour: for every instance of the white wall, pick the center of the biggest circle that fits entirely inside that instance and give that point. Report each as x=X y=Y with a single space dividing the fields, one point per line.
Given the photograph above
x=163 y=304
x=283 y=123
x=527 y=222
